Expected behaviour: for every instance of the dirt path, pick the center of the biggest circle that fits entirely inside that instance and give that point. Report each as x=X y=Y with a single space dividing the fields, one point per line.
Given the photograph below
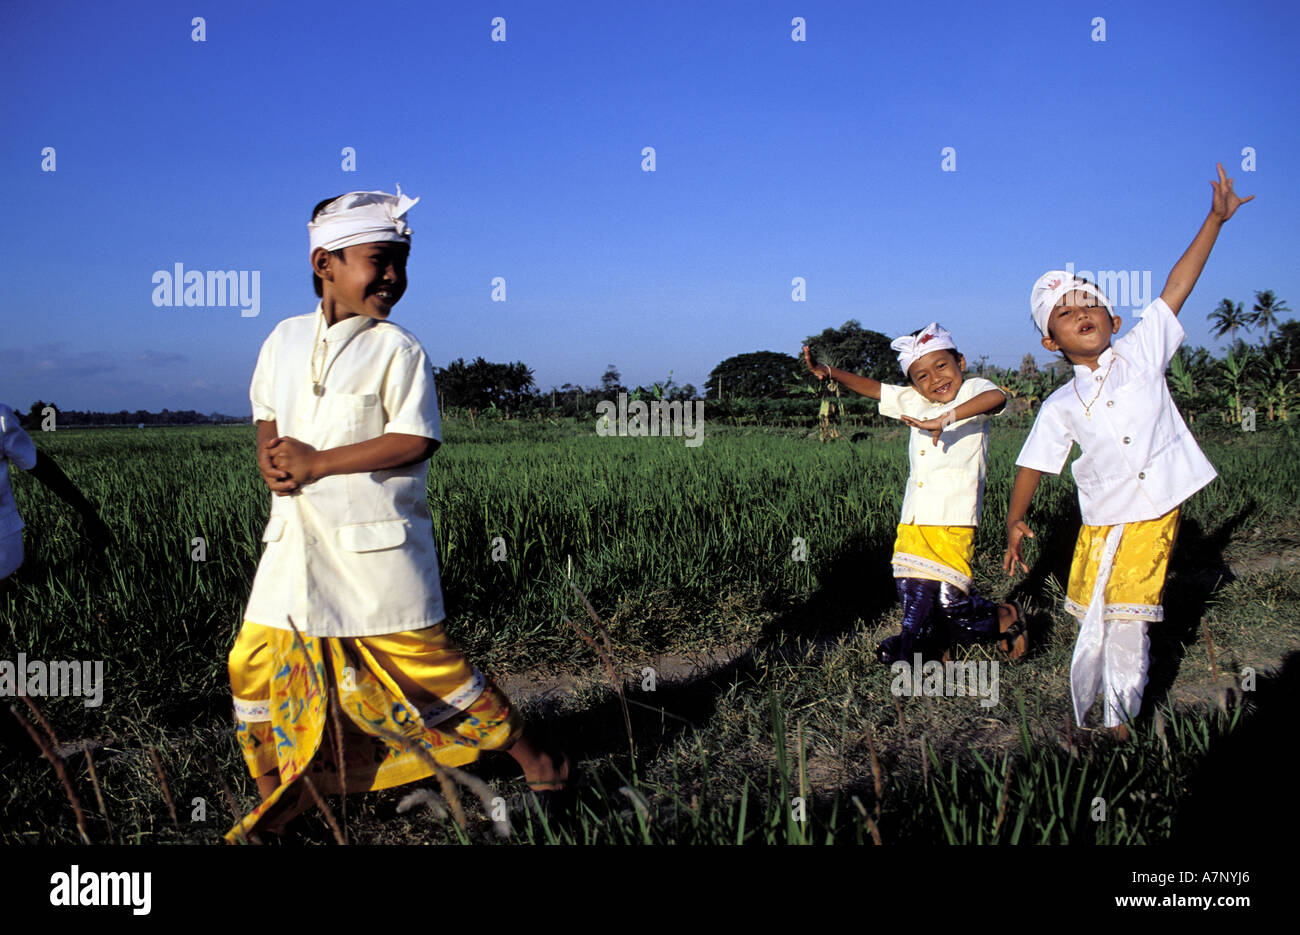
x=548 y=686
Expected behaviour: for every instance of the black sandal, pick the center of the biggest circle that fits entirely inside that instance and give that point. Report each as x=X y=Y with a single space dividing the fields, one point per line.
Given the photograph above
x=1014 y=640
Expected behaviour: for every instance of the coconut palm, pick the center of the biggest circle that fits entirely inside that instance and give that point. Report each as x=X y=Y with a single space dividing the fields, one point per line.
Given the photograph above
x=1228 y=318
x=1267 y=309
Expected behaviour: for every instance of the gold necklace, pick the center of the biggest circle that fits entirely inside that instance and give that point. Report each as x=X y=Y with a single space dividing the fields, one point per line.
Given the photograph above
x=316 y=381
x=1087 y=407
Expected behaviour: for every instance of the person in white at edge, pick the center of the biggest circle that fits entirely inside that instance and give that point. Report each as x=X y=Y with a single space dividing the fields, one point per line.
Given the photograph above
x=1139 y=464
x=18 y=449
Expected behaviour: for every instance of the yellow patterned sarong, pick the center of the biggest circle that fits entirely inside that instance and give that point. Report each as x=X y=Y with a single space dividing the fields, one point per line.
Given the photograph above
x=940 y=553
x=1137 y=578
x=398 y=693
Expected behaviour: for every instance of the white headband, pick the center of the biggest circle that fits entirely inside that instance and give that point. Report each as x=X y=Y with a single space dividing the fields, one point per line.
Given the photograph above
x=1049 y=289
x=933 y=337
x=361 y=217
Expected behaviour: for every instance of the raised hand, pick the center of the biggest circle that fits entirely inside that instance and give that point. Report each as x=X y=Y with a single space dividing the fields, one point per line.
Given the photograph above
x=820 y=371
x=1226 y=201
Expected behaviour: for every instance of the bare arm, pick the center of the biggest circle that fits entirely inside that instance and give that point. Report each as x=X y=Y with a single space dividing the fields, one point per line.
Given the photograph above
x=1022 y=494
x=1188 y=268
x=305 y=464
x=988 y=401
x=863 y=386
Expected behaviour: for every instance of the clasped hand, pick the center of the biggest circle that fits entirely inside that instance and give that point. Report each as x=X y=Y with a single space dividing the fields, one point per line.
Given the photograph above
x=287 y=464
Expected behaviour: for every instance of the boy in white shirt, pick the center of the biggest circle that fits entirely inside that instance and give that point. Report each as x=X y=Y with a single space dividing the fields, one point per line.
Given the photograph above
x=16 y=448
x=945 y=490
x=1139 y=464
x=347 y=418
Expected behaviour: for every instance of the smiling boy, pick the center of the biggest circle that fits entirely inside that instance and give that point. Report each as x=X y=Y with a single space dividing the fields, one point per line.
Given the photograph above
x=347 y=418
x=945 y=490
x=1139 y=464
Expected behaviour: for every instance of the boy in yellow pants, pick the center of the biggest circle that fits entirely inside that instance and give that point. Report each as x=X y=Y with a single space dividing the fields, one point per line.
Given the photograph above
x=1139 y=464
x=945 y=490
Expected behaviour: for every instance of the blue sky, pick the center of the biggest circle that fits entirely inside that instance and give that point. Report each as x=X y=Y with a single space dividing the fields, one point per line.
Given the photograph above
x=774 y=159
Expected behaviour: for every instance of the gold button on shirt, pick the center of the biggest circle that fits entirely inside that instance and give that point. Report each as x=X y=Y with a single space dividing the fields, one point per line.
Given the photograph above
x=946 y=483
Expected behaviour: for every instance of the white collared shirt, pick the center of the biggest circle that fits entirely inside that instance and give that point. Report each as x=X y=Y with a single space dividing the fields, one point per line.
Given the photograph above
x=351 y=554
x=945 y=486
x=1139 y=460
x=18 y=448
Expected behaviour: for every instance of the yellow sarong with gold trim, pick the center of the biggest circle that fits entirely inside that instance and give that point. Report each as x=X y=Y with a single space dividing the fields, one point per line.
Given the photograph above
x=398 y=693
x=940 y=553
x=1137 y=575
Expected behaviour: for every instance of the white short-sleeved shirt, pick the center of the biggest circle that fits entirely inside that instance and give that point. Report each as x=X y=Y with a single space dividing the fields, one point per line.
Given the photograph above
x=351 y=554
x=1139 y=460
x=18 y=449
x=945 y=486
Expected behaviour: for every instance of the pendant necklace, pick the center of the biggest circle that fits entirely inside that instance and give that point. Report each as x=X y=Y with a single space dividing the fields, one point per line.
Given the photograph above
x=321 y=344
x=317 y=386
x=1087 y=407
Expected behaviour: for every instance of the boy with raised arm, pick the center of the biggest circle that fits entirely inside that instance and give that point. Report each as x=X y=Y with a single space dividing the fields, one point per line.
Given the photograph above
x=1139 y=464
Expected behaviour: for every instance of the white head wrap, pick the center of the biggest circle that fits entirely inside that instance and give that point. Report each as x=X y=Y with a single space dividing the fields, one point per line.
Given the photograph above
x=1049 y=289
x=933 y=337
x=361 y=217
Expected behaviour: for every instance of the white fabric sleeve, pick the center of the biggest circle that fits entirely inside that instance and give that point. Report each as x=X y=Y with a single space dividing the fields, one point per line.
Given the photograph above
x=1154 y=340
x=409 y=395
x=261 y=392
x=899 y=400
x=1049 y=442
x=18 y=445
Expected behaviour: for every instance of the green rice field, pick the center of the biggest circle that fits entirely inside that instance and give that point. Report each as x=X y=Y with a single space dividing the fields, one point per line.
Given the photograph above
x=769 y=719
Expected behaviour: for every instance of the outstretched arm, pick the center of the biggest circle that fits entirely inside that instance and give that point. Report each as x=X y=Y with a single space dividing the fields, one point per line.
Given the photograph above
x=1022 y=494
x=1188 y=268
x=48 y=472
x=863 y=386
x=988 y=401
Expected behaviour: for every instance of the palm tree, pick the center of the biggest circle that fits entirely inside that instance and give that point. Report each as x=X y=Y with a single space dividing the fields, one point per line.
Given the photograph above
x=1228 y=317
x=1267 y=309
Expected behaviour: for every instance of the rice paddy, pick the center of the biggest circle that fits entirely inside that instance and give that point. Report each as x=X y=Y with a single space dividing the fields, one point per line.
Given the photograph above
x=761 y=547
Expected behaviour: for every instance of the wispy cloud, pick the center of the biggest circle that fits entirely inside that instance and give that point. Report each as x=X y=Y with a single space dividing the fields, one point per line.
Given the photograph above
x=161 y=358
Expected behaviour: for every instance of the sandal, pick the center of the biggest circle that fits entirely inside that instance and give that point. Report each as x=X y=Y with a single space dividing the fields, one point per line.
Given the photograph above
x=552 y=797
x=1014 y=639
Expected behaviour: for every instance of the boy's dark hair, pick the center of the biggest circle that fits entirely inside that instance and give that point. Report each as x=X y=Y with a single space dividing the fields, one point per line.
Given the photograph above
x=316 y=283
x=956 y=354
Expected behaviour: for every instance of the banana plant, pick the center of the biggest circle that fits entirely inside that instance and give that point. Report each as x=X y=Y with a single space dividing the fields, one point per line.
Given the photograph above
x=1236 y=369
x=1277 y=385
x=1184 y=387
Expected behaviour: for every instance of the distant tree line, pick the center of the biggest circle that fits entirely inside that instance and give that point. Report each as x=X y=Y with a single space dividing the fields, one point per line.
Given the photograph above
x=770 y=387
x=71 y=418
